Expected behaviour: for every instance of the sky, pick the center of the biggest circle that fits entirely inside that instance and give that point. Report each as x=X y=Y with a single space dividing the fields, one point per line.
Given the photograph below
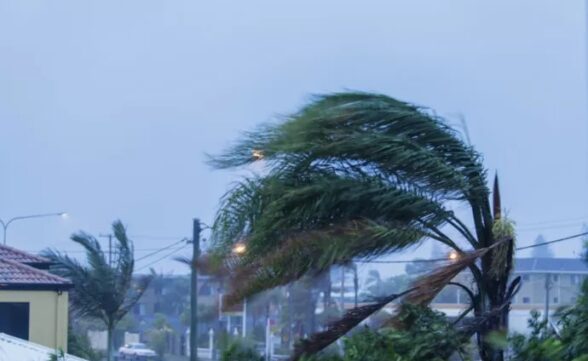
x=108 y=108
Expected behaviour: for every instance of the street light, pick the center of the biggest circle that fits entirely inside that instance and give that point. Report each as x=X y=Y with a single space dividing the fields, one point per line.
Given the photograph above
x=7 y=223
x=257 y=154
x=239 y=248
x=453 y=255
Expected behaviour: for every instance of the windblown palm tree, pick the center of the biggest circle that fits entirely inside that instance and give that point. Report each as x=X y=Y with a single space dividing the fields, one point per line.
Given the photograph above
x=103 y=290
x=356 y=176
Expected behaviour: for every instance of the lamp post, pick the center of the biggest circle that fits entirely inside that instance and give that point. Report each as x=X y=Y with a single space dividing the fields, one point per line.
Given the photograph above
x=7 y=223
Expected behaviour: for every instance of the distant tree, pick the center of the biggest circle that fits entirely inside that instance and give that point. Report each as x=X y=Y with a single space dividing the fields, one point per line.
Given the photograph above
x=103 y=290
x=542 y=251
x=159 y=333
x=374 y=283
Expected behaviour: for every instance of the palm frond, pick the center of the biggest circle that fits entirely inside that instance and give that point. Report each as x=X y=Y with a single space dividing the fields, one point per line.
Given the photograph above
x=314 y=252
x=101 y=290
x=319 y=341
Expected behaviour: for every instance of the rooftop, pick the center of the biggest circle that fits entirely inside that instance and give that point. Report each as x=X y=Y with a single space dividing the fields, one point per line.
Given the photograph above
x=15 y=275
x=12 y=348
x=17 y=255
x=552 y=265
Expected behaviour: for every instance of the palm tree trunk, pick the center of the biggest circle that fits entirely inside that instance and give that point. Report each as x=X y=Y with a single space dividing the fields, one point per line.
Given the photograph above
x=494 y=298
x=109 y=341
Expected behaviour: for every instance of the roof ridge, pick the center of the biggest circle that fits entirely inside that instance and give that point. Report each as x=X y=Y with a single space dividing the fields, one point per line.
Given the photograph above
x=23 y=253
x=37 y=271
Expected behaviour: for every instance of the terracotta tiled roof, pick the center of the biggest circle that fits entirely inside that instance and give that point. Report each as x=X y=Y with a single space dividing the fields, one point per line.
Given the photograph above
x=13 y=254
x=15 y=275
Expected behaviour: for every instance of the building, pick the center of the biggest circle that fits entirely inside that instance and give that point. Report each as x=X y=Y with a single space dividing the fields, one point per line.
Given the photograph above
x=33 y=302
x=549 y=281
x=546 y=283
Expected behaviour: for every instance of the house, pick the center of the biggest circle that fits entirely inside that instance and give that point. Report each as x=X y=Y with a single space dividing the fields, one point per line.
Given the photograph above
x=33 y=302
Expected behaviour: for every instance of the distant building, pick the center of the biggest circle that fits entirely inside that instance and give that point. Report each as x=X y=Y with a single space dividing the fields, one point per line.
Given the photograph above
x=546 y=282
x=33 y=302
x=552 y=281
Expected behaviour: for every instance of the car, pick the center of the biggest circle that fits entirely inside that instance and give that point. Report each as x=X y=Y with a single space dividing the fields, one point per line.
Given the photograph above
x=136 y=351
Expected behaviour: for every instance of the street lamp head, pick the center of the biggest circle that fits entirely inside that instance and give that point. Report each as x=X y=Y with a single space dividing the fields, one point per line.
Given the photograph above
x=453 y=255
x=257 y=154
x=64 y=215
x=239 y=248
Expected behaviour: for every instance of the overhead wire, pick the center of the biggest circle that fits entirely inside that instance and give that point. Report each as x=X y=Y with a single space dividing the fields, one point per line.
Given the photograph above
x=162 y=258
x=445 y=259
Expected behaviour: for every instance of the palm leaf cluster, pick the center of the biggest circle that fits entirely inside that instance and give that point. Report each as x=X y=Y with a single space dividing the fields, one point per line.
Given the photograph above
x=351 y=175
x=104 y=289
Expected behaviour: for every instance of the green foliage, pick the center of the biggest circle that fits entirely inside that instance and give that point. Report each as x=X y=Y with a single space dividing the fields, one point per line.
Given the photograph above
x=427 y=336
x=574 y=323
x=78 y=344
x=58 y=355
x=368 y=345
x=540 y=345
x=239 y=351
x=159 y=333
x=352 y=176
x=102 y=290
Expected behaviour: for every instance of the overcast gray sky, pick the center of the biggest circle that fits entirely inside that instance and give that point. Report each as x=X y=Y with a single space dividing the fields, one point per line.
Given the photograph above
x=107 y=107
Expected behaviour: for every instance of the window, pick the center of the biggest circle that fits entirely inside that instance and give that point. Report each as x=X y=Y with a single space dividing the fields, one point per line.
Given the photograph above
x=14 y=319
x=526 y=300
x=526 y=277
x=575 y=279
x=555 y=299
x=555 y=278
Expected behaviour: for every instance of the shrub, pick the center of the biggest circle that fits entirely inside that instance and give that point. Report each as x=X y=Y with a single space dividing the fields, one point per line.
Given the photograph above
x=239 y=351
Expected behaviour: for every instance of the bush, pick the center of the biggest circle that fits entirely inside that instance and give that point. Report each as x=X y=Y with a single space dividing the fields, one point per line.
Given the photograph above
x=427 y=336
x=239 y=351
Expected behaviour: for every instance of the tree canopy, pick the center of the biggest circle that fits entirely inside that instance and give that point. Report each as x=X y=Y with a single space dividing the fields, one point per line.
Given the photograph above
x=356 y=176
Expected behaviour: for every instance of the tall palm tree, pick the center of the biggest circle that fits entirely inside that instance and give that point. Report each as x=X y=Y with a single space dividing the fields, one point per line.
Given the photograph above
x=103 y=289
x=355 y=176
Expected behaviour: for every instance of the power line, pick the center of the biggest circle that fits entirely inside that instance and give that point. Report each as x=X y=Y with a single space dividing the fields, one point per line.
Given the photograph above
x=160 y=250
x=554 y=241
x=162 y=258
x=568 y=220
x=405 y=261
x=83 y=251
x=445 y=259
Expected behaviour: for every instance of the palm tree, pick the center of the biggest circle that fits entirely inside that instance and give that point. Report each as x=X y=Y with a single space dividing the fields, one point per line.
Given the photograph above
x=103 y=290
x=355 y=176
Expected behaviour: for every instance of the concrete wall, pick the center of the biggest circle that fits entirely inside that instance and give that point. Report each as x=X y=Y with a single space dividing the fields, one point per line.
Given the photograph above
x=48 y=316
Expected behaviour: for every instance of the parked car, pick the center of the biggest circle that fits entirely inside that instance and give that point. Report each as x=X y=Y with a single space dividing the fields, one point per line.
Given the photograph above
x=136 y=352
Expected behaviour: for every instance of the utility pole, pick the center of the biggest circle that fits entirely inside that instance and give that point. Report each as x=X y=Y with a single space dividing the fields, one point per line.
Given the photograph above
x=109 y=235
x=194 y=292
x=547 y=288
x=355 y=284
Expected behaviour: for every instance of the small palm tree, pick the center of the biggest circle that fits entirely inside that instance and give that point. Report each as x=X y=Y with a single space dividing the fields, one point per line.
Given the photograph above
x=102 y=290
x=355 y=176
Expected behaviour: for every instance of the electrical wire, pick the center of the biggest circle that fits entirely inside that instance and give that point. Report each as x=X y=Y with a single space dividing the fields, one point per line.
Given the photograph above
x=162 y=258
x=160 y=250
x=445 y=259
